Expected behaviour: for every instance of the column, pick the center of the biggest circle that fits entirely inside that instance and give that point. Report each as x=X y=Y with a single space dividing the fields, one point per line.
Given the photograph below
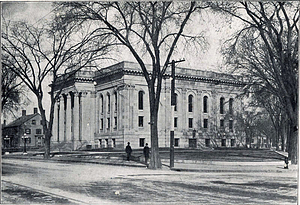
x=54 y=126
x=68 y=118
x=61 y=119
x=76 y=120
x=85 y=115
x=97 y=111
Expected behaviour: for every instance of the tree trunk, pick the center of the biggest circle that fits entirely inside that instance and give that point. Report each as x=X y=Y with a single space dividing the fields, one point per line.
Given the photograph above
x=47 y=145
x=155 y=162
x=293 y=144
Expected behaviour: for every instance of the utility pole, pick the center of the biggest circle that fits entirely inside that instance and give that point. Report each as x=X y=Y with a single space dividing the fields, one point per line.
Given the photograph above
x=173 y=103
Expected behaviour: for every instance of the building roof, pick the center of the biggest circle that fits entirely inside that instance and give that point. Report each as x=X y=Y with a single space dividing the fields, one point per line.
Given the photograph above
x=21 y=120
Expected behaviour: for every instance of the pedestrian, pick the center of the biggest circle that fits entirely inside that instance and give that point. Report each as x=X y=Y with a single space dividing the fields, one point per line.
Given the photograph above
x=128 y=150
x=146 y=153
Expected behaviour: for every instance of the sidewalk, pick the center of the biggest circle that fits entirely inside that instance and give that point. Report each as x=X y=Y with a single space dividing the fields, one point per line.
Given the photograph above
x=179 y=165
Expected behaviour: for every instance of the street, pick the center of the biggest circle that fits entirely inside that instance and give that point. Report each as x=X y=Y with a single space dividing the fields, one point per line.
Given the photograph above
x=84 y=183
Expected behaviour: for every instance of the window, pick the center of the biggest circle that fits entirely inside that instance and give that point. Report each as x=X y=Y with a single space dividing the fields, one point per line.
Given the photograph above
x=38 y=131
x=232 y=143
x=108 y=103
x=207 y=142
x=176 y=142
x=108 y=123
x=175 y=121
x=41 y=122
x=141 y=121
x=176 y=96
x=230 y=124
x=222 y=105
x=33 y=122
x=101 y=100
x=106 y=143
x=113 y=142
x=205 y=104
x=116 y=101
x=190 y=103
x=28 y=131
x=190 y=122
x=205 y=123
x=101 y=124
x=100 y=142
x=116 y=122
x=230 y=106
x=222 y=123
x=29 y=140
x=141 y=100
x=142 y=142
x=223 y=142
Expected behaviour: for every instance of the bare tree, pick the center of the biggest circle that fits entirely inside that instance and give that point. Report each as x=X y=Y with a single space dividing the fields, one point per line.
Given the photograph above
x=151 y=31
x=266 y=48
x=39 y=52
x=12 y=92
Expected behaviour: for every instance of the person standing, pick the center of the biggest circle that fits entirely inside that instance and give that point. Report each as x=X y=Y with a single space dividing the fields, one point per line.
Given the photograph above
x=128 y=150
x=146 y=153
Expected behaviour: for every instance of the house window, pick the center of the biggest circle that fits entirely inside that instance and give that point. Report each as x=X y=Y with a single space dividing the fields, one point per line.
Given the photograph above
x=113 y=142
x=108 y=123
x=101 y=100
x=41 y=122
x=230 y=124
x=38 y=131
x=222 y=123
x=116 y=101
x=205 y=123
x=116 y=122
x=142 y=142
x=28 y=131
x=101 y=124
x=176 y=142
x=108 y=103
x=205 y=104
x=190 y=122
x=141 y=121
x=231 y=106
x=176 y=96
x=175 y=121
x=190 y=103
x=33 y=122
x=222 y=105
x=141 y=100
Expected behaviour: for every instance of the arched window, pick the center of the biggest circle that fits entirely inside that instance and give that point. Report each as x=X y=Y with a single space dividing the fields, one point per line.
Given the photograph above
x=205 y=104
x=231 y=106
x=108 y=103
x=176 y=103
x=190 y=103
x=141 y=100
x=101 y=101
x=222 y=105
x=116 y=101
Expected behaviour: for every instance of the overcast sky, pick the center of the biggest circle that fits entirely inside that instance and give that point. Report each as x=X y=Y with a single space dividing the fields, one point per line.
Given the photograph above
x=214 y=27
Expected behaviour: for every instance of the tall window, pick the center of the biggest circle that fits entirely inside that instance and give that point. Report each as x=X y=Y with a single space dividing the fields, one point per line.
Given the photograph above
x=101 y=124
x=142 y=142
x=190 y=122
x=141 y=121
x=116 y=123
x=230 y=125
x=205 y=123
x=141 y=100
x=222 y=105
x=205 y=104
x=108 y=103
x=108 y=123
x=222 y=123
x=116 y=101
x=175 y=121
x=190 y=103
x=101 y=100
x=230 y=106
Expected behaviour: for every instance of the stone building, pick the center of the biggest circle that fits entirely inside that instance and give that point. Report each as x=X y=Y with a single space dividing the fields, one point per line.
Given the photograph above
x=110 y=107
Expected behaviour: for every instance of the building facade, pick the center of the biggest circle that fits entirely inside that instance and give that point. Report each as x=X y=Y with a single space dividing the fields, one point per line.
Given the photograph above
x=110 y=107
x=26 y=129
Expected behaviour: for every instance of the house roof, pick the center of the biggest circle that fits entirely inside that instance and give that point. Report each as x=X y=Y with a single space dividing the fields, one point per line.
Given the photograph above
x=21 y=120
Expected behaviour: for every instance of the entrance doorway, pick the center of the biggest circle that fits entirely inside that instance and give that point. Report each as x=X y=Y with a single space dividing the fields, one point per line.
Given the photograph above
x=192 y=143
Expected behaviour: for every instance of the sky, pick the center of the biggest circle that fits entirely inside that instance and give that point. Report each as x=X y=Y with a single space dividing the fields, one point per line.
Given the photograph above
x=214 y=27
